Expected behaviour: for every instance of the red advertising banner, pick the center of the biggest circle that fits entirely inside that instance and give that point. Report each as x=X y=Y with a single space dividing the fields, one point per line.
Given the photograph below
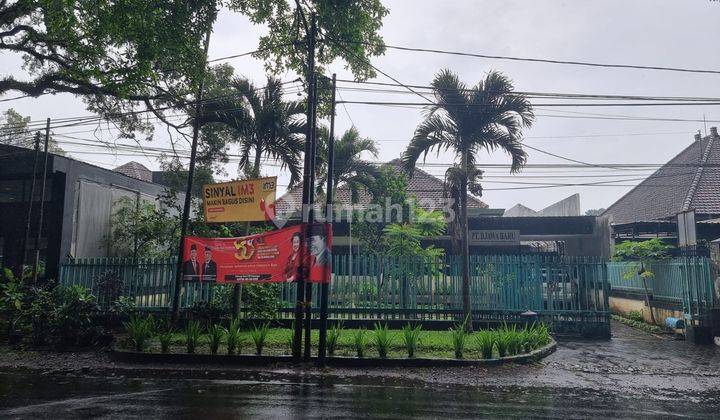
x=271 y=257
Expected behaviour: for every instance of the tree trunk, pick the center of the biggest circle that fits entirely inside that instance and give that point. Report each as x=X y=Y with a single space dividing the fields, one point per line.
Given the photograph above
x=467 y=311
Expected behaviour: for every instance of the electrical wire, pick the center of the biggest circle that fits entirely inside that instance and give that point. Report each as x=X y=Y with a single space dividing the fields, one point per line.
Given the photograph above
x=533 y=60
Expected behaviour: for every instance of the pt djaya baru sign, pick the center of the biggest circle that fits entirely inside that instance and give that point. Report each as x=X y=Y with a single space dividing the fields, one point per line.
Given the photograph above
x=494 y=237
x=250 y=200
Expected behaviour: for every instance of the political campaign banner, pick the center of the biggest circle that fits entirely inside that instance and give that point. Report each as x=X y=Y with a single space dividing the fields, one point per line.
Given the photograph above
x=250 y=200
x=271 y=257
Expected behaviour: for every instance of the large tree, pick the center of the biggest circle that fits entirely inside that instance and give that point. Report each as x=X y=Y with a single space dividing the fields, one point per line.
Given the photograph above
x=15 y=131
x=468 y=121
x=139 y=55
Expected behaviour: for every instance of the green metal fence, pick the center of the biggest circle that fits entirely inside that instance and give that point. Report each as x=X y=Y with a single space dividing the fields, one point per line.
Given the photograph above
x=375 y=287
x=685 y=281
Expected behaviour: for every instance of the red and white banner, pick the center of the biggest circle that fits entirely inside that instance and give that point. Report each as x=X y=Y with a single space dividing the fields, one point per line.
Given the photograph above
x=270 y=257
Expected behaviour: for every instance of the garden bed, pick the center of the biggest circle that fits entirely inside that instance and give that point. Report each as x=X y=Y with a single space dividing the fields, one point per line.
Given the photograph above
x=128 y=356
x=379 y=347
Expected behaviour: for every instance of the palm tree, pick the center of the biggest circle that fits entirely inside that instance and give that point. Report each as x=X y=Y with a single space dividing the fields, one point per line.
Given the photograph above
x=263 y=124
x=452 y=187
x=466 y=121
x=349 y=167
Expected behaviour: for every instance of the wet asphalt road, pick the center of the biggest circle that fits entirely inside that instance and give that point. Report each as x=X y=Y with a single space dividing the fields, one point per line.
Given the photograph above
x=634 y=375
x=27 y=396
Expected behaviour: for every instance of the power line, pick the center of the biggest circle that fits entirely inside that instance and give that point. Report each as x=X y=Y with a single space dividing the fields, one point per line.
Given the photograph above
x=627 y=104
x=546 y=95
x=533 y=60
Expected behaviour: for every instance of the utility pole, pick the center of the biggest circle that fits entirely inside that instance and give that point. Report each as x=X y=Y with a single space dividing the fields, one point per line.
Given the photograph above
x=42 y=205
x=308 y=192
x=188 y=190
x=26 y=238
x=324 y=288
x=466 y=246
x=311 y=189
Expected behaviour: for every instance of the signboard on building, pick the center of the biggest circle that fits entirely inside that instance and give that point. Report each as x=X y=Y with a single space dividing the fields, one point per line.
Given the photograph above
x=494 y=237
x=250 y=200
x=271 y=257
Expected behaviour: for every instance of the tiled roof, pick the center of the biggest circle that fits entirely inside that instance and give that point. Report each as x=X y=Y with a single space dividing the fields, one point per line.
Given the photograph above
x=426 y=188
x=690 y=180
x=135 y=170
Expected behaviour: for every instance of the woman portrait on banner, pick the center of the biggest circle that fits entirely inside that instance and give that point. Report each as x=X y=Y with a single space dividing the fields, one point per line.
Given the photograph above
x=292 y=268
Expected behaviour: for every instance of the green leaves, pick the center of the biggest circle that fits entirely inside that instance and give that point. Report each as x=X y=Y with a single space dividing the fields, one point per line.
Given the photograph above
x=139 y=330
x=411 y=336
x=193 y=332
x=350 y=30
x=259 y=334
x=653 y=249
x=333 y=336
x=383 y=339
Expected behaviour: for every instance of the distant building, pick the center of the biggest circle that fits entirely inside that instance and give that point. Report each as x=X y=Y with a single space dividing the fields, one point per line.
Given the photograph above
x=561 y=230
x=689 y=181
x=569 y=206
x=427 y=189
x=78 y=205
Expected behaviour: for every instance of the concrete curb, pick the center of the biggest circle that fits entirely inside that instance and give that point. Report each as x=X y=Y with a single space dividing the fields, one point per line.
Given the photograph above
x=124 y=356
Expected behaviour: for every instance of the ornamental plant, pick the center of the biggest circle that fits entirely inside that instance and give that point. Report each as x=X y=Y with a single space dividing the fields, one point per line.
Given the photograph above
x=139 y=330
x=215 y=335
x=383 y=339
x=486 y=343
x=333 y=337
x=360 y=341
x=233 y=339
x=259 y=334
x=165 y=339
x=411 y=337
x=459 y=335
x=193 y=332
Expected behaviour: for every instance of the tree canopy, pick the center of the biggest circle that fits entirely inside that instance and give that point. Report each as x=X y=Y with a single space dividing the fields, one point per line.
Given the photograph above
x=137 y=55
x=14 y=131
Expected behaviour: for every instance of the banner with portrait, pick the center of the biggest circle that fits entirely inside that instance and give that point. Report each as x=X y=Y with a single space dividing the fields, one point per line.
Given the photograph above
x=271 y=257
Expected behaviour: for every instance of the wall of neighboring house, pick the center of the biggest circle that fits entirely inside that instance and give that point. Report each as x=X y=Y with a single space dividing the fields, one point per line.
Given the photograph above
x=91 y=194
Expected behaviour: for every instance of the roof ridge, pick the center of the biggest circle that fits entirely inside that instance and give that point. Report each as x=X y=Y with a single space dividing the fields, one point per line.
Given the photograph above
x=698 y=175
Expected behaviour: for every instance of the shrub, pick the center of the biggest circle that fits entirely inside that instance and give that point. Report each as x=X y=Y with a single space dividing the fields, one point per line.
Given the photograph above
x=139 y=331
x=333 y=337
x=261 y=300
x=259 y=334
x=39 y=316
x=73 y=318
x=234 y=341
x=411 y=337
x=459 y=335
x=360 y=342
x=486 y=343
x=192 y=335
x=635 y=316
x=215 y=335
x=383 y=339
x=12 y=295
x=165 y=339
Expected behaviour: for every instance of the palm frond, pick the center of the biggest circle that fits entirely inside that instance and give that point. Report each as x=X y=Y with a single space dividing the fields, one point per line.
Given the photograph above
x=435 y=133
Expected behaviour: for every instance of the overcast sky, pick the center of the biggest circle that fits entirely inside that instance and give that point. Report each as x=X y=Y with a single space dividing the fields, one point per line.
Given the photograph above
x=670 y=33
